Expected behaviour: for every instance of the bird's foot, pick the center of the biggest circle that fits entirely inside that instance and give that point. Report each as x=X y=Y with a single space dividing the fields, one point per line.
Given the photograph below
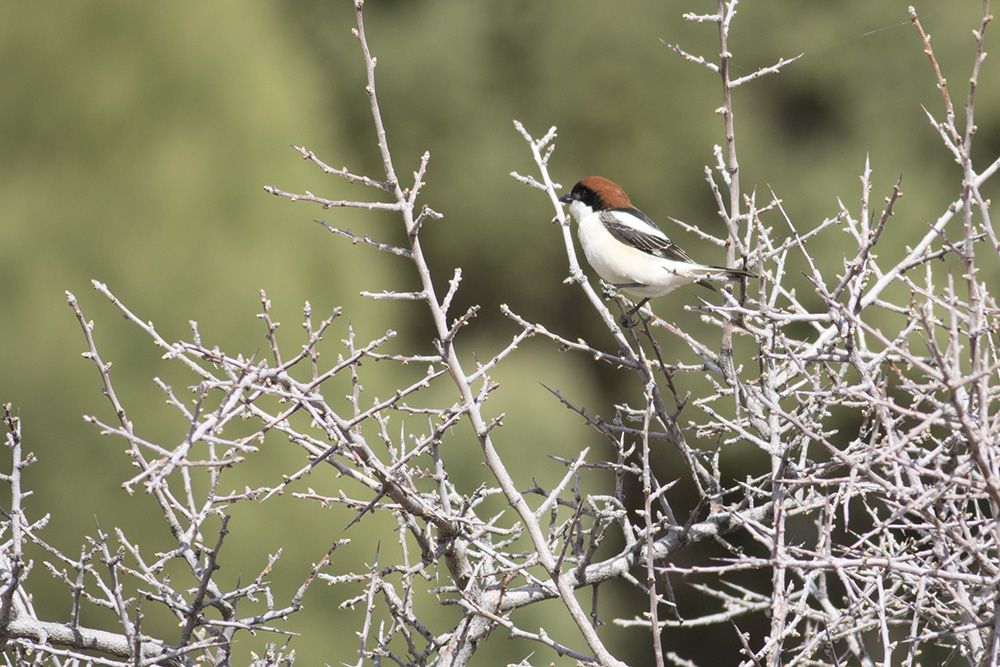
x=627 y=320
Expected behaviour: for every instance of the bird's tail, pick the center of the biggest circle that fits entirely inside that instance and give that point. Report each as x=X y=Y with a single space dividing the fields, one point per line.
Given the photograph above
x=721 y=273
x=739 y=274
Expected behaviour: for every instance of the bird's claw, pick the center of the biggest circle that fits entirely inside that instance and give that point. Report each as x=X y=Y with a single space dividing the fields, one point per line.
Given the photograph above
x=628 y=321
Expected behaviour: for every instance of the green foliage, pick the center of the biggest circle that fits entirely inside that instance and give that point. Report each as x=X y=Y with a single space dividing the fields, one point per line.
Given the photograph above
x=136 y=138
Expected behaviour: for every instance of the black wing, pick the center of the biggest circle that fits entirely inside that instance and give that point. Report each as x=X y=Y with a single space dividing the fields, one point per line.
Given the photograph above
x=651 y=242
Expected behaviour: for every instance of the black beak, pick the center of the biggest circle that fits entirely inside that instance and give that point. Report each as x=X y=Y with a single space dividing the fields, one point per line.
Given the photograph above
x=567 y=198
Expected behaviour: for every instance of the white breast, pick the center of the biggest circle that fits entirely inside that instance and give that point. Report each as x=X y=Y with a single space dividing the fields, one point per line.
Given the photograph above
x=621 y=264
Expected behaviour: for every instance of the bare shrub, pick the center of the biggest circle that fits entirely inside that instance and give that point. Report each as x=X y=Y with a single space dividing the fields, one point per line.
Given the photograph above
x=900 y=553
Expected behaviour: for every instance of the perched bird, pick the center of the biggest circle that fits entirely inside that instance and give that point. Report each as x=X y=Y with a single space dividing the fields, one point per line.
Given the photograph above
x=628 y=250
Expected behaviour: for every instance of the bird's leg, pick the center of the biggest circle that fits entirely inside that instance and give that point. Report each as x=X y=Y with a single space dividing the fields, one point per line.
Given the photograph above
x=626 y=319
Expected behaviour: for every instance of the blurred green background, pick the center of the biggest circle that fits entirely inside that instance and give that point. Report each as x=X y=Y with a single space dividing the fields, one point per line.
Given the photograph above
x=135 y=139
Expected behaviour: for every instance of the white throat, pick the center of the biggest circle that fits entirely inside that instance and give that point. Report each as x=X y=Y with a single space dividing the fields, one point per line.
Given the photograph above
x=579 y=210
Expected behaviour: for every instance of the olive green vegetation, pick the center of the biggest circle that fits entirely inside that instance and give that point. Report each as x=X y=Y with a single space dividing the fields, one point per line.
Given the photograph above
x=136 y=138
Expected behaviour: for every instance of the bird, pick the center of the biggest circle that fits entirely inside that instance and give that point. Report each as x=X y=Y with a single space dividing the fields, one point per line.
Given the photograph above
x=628 y=250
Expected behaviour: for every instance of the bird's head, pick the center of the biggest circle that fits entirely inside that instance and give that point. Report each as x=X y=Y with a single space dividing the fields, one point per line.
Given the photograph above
x=595 y=193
